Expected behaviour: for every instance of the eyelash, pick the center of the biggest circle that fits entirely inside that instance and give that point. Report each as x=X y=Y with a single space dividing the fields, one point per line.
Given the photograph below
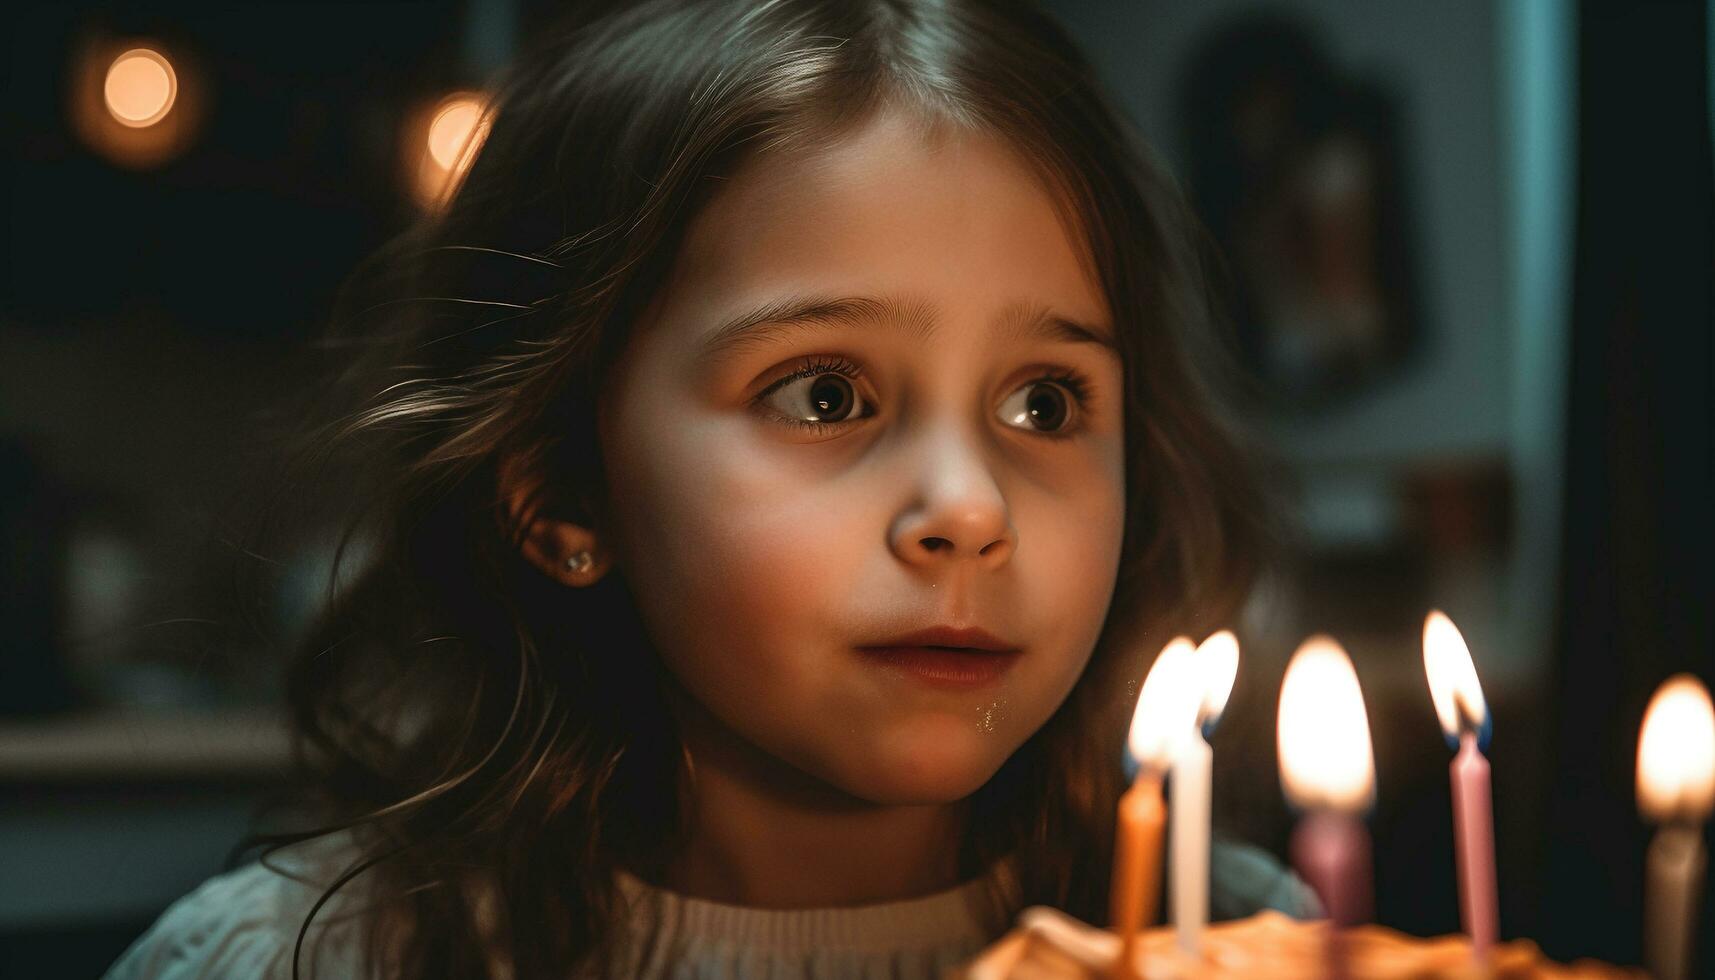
x=1073 y=381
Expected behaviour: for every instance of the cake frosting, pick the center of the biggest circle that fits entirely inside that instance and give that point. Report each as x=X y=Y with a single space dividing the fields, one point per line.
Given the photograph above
x=1049 y=944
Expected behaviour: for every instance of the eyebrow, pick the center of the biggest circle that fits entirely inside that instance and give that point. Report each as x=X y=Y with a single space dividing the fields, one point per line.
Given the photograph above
x=777 y=321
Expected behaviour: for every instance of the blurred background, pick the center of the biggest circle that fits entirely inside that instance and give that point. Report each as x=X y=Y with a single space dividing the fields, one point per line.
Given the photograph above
x=1472 y=246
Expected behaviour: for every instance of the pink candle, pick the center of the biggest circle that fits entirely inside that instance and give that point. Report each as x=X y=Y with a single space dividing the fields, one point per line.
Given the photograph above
x=1474 y=845
x=1463 y=714
x=1327 y=769
x=1331 y=849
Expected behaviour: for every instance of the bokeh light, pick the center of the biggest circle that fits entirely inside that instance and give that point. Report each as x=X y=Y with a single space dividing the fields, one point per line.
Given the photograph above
x=136 y=101
x=140 y=88
x=441 y=143
x=452 y=129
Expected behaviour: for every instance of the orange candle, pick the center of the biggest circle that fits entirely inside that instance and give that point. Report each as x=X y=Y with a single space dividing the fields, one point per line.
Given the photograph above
x=1137 y=867
x=1166 y=711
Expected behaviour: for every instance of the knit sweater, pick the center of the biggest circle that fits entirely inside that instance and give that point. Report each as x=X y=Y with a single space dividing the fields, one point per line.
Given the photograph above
x=244 y=923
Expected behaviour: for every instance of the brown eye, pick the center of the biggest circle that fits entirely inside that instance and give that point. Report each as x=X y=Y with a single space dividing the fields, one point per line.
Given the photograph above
x=1043 y=407
x=820 y=398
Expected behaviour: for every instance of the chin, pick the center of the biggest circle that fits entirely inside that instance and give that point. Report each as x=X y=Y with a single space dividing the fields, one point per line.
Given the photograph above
x=927 y=767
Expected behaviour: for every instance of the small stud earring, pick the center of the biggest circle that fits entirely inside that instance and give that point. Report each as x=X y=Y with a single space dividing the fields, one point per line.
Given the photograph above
x=580 y=562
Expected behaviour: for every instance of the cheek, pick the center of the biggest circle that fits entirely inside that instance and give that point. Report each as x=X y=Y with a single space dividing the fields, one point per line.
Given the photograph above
x=1071 y=529
x=751 y=582
x=1067 y=566
x=734 y=563
x=1077 y=554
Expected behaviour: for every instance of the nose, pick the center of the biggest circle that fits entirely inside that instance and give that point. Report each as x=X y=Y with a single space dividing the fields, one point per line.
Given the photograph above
x=960 y=514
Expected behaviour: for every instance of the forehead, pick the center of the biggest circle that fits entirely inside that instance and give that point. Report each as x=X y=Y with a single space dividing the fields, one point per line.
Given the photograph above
x=960 y=222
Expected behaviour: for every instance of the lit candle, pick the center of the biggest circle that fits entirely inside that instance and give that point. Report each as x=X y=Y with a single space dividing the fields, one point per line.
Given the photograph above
x=1166 y=710
x=1676 y=789
x=1214 y=667
x=1464 y=716
x=1327 y=768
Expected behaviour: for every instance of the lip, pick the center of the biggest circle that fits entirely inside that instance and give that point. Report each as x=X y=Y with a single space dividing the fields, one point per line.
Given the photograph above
x=944 y=666
x=973 y=638
x=945 y=656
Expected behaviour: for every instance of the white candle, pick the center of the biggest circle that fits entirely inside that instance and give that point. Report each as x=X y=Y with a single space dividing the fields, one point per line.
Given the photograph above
x=1676 y=788
x=1216 y=665
x=1674 y=870
x=1188 y=828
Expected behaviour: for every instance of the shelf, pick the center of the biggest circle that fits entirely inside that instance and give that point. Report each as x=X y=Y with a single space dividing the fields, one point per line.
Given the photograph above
x=125 y=746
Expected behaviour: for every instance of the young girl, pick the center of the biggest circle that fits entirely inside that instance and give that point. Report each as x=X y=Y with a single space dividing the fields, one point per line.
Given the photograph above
x=790 y=459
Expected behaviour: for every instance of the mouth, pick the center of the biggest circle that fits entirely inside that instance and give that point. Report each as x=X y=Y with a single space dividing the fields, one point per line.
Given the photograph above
x=943 y=666
x=950 y=637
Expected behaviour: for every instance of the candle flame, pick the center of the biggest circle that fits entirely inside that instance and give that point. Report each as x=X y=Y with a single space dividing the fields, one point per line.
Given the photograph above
x=1166 y=706
x=1324 y=733
x=1676 y=753
x=1453 y=684
x=1218 y=664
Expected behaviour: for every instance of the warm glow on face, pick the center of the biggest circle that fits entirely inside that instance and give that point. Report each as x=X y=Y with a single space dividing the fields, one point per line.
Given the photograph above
x=1217 y=663
x=1676 y=753
x=1166 y=707
x=1324 y=733
x=1453 y=684
x=140 y=87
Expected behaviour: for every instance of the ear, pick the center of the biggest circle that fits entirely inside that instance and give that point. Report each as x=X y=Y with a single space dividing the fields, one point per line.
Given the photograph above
x=551 y=544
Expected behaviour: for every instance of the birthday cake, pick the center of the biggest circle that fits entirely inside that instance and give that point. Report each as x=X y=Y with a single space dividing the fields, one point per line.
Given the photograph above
x=1049 y=944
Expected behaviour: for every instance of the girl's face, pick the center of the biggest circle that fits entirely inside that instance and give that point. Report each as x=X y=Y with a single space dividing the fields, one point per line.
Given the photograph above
x=950 y=483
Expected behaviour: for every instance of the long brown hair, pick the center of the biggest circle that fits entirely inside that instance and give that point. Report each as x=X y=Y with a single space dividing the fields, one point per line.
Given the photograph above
x=465 y=718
